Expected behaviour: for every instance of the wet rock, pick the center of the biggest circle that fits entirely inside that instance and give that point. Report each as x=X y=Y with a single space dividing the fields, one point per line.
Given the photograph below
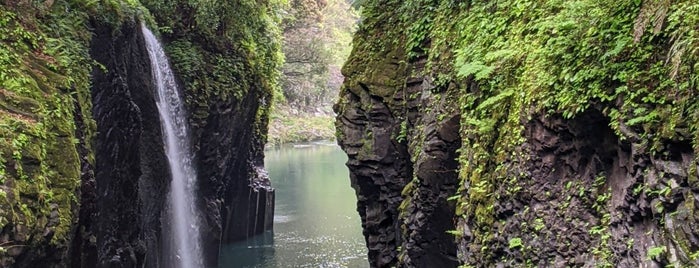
x=131 y=171
x=125 y=201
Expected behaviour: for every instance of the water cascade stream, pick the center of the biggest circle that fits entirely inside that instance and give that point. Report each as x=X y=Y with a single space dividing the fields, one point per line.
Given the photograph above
x=183 y=229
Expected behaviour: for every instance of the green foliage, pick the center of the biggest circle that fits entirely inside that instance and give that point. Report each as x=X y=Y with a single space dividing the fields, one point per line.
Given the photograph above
x=45 y=73
x=316 y=41
x=223 y=51
x=515 y=243
x=477 y=69
x=403 y=131
x=560 y=64
x=518 y=59
x=418 y=17
x=226 y=49
x=655 y=252
x=539 y=224
x=694 y=256
x=317 y=38
x=286 y=127
x=357 y=4
x=340 y=23
x=111 y=12
x=632 y=61
x=455 y=233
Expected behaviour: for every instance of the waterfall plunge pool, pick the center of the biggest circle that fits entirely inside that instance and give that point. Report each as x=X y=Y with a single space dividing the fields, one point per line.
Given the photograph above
x=315 y=223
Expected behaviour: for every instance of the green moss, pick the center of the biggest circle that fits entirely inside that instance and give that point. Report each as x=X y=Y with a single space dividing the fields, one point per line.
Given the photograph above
x=548 y=60
x=44 y=54
x=367 y=149
x=222 y=51
x=517 y=59
x=515 y=243
x=45 y=76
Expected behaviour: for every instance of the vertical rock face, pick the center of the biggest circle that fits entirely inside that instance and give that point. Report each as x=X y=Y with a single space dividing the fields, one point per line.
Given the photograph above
x=235 y=189
x=226 y=55
x=228 y=138
x=83 y=248
x=401 y=153
x=228 y=90
x=44 y=95
x=378 y=171
x=402 y=161
x=83 y=173
x=587 y=195
x=131 y=170
x=479 y=135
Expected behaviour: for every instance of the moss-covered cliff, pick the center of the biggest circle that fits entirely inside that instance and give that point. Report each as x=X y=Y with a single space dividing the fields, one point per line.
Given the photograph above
x=82 y=172
x=45 y=95
x=524 y=133
x=228 y=56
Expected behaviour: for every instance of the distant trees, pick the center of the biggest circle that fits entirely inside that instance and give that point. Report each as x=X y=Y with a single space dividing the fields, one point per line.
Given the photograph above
x=317 y=37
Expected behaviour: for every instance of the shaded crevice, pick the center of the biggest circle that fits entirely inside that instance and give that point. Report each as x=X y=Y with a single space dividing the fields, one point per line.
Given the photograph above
x=83 y=249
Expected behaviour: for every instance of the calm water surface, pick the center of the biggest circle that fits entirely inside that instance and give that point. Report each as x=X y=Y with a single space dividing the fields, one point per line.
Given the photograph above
x=316 y=223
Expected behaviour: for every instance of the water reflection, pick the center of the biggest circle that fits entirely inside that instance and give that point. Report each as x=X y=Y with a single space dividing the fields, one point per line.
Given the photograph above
x=250 y=253
x=315 y=223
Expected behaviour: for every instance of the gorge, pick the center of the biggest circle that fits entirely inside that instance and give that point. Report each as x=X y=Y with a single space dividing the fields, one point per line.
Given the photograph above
x=508 y=133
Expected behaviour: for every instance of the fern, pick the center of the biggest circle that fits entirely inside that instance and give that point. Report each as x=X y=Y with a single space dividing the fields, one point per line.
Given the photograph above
x=494 y=100
x=479 y=70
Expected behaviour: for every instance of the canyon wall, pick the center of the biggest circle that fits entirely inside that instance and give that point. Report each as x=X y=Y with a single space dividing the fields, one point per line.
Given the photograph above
x=524 y=133
x=83 y=170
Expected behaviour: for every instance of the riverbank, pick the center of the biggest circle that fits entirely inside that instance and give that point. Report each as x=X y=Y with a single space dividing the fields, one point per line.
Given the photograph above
x=290 y=125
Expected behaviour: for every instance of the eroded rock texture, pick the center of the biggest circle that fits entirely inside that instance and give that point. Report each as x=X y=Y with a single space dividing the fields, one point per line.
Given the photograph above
x=466 y=153
x=132 y=174
x=401 y=135
x=131 y=170
x=235 y=189
x=83 y=172
x=403 y=167
x=586 y=198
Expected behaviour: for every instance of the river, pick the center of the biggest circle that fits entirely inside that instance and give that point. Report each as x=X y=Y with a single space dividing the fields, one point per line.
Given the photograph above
x=316 y=223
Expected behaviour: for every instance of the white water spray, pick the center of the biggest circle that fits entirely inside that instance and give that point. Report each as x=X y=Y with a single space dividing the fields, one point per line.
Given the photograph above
x=184 y=227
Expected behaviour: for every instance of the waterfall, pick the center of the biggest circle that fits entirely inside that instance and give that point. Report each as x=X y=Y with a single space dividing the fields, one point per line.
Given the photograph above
x=183 y=225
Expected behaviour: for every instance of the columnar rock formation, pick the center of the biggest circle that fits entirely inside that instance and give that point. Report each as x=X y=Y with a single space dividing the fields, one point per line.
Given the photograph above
x=524 y=133
x=83 y=173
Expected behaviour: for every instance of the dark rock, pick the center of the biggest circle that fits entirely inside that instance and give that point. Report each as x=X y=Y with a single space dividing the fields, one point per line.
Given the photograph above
x=568 y=191
x=402 y=162
x=131 y=171
x=132 y=176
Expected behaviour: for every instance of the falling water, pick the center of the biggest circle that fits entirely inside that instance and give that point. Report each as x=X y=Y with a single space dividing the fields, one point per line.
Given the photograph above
x=184 y=227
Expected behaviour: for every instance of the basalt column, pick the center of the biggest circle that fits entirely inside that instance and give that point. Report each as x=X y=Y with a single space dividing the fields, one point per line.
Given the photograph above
x=401 y=133
x=131 y=169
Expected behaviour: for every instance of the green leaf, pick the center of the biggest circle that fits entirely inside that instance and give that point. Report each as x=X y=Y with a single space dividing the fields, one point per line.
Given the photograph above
x=650 y=117
x=515 y=243
x=655 y=252
x=476 y=68
x=492 y=101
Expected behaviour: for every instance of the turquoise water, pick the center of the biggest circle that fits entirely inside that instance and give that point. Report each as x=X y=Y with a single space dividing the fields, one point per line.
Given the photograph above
x=316 y=223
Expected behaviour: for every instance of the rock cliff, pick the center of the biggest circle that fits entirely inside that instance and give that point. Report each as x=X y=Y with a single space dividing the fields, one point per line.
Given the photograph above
x=83 y=174
x=524 y=133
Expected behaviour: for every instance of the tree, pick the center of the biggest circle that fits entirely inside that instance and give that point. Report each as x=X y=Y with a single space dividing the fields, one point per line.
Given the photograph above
x=317 y=36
